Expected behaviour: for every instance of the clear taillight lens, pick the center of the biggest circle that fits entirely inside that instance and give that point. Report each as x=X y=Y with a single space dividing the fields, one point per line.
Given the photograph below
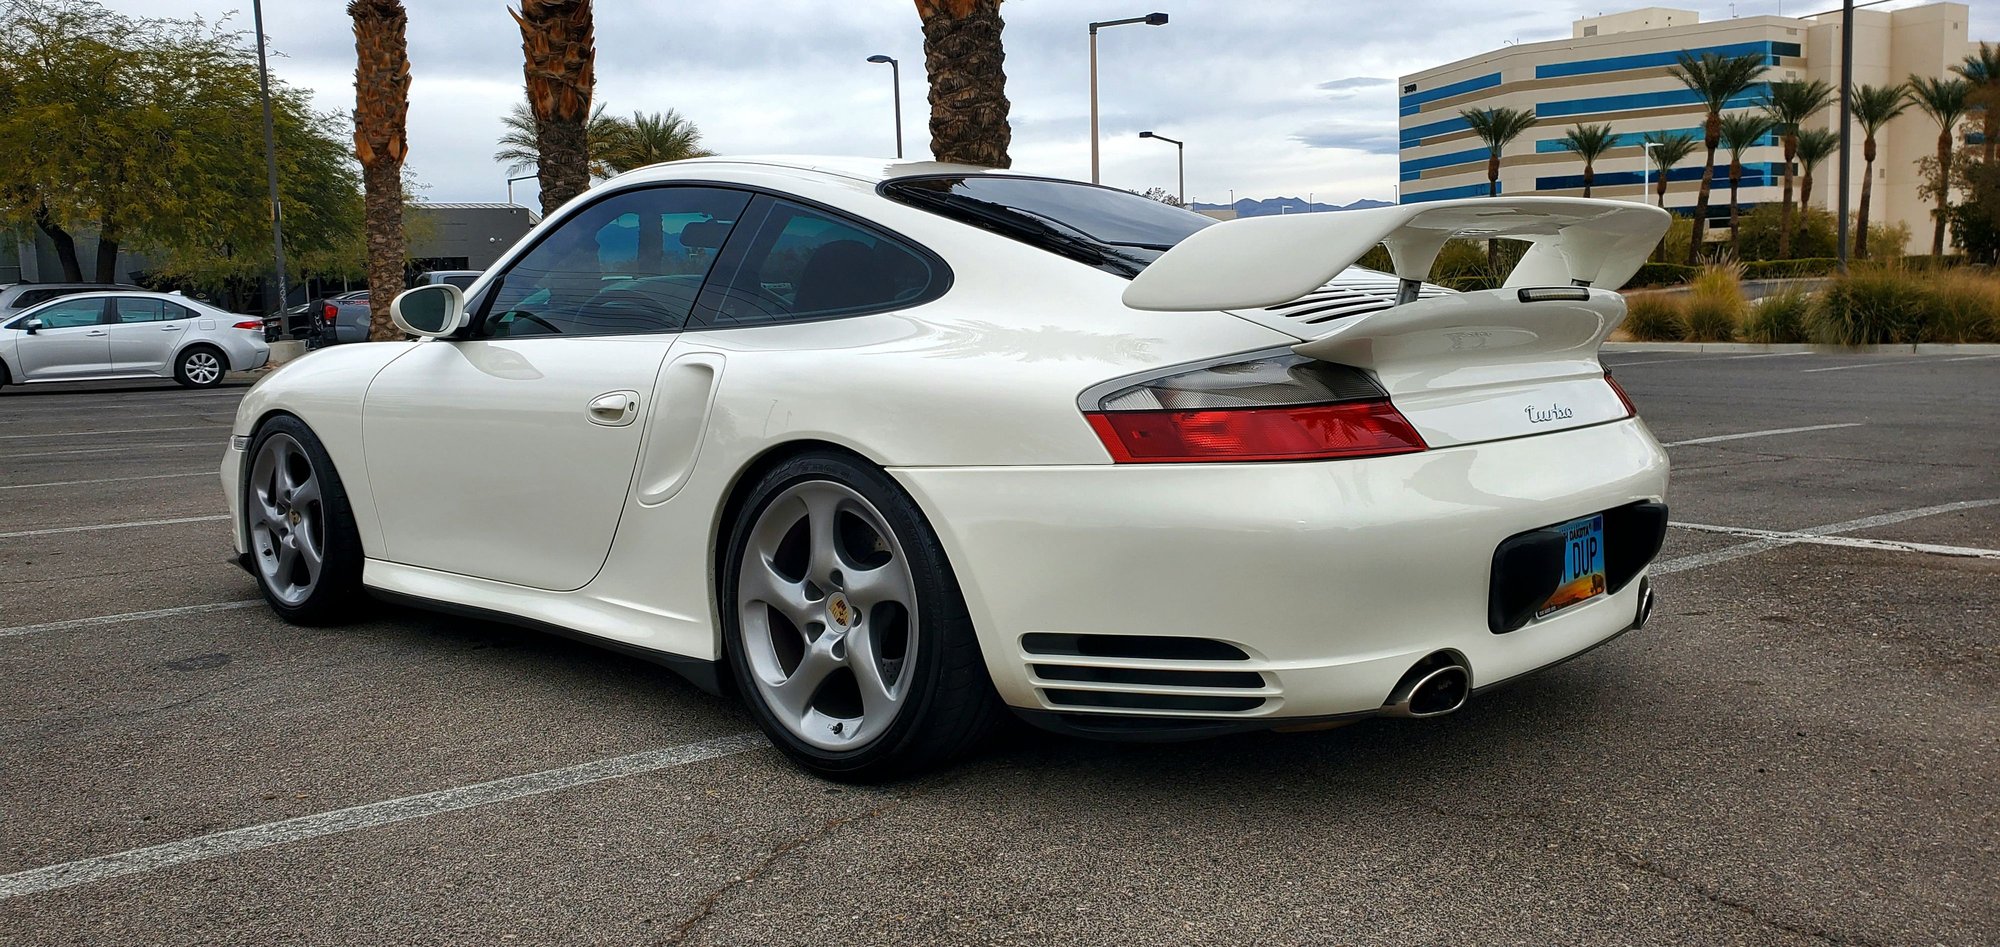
x=1274 y=407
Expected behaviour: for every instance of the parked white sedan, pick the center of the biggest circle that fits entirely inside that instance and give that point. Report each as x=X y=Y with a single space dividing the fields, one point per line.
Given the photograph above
x=129 y=334
x=885 y=448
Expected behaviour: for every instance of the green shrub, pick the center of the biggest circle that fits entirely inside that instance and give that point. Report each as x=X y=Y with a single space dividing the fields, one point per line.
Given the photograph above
x=1663 y=274
x=1812 y=234
x=1780 y=317
x=1715 y=308
x=1655 y=317
x=1790 y=269
x=1961 y=306
x=1872 y=305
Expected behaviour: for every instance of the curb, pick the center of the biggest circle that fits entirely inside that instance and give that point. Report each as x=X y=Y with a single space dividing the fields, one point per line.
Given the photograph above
x=282 y=352
x=1794 y=348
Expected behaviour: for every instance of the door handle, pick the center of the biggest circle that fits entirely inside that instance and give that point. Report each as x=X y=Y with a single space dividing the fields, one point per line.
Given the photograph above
x=95 y=332
x=616 y=409
x=170 y=327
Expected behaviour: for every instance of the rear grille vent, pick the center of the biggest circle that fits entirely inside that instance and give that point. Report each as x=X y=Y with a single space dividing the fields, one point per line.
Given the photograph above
x=1141 y=673
x=1143 y=647
x=1347 y=296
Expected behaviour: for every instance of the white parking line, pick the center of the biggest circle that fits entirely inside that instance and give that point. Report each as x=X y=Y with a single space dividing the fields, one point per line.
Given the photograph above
x=1971 y=358
x=87 y=529
x=251 y=838
x=1711 y=358
x=113 y=450
x=1842 y=368
x=1855 y=542
x=136 y=430
x=1712 y=557
x=1750 y=434
x=74 y=483
x=19 y=630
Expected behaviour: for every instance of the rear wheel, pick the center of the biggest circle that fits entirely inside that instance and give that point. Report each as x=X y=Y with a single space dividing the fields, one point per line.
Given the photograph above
x=844 y=628
x=304 y=547
x=200 y=367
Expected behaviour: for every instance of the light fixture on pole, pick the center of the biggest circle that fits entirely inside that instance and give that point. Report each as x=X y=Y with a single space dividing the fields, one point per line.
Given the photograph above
x=270 y=155
x=1150 y=19
x=896 y=81
x=1180 y=158
x=510 y=184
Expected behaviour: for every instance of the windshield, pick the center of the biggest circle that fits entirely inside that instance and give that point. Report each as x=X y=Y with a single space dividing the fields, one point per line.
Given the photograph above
x=1107 y=228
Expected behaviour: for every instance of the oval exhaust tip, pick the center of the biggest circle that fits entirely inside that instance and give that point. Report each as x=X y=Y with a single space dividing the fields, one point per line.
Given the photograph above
x=1438 y=693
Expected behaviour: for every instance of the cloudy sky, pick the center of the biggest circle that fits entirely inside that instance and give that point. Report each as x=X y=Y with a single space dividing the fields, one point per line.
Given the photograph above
x=1274 y=97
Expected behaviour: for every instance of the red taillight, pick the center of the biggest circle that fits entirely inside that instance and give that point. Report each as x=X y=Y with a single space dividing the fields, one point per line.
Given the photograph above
x=1264 y=407
x=1625 y=399
x=258 y=326
x=329 y=313
x=1303 y=432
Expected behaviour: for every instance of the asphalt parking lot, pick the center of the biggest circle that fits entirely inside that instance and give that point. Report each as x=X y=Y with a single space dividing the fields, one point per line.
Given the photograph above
x=1799 y=749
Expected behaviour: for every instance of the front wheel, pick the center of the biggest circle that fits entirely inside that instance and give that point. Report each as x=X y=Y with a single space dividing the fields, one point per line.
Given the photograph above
x=844 y=628
x=200 y=367
x=304 y=547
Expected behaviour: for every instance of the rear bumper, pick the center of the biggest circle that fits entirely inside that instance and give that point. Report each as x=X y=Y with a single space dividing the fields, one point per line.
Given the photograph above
x=1331 y=579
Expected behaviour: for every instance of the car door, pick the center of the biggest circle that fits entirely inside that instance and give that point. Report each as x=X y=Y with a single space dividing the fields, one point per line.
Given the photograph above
x=72 y=342
x=143 y=332
x=508 y=453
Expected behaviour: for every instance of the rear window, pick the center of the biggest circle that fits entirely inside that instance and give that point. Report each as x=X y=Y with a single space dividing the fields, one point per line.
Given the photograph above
x=1113 y=230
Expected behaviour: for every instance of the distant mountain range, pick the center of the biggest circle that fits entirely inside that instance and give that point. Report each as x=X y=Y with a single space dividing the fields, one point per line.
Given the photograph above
x=1271 y=206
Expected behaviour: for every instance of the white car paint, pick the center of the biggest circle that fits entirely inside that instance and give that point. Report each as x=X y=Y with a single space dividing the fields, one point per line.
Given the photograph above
x=478 y=478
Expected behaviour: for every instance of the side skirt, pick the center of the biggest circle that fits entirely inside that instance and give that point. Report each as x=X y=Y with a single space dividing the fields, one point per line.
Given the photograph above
x=706 y=675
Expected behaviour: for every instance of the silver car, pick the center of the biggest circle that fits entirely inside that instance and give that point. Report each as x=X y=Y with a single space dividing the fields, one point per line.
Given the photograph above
x=129 y=335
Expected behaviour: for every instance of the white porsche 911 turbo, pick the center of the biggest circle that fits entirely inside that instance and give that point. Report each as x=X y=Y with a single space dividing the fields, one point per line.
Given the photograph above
x=888 y=447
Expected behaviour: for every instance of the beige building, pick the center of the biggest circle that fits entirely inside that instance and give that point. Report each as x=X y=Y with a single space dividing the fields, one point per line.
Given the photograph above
x=1614 y=69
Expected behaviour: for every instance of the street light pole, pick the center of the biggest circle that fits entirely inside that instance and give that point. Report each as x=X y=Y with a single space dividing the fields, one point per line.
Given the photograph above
x=1150 y=19
x=1180 y=159
x=1846 y=120
x=895 y=80
x=510 y=184
x=270 y=155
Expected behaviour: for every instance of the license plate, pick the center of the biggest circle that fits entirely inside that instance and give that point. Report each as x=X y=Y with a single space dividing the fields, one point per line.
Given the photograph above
x=1583 y=565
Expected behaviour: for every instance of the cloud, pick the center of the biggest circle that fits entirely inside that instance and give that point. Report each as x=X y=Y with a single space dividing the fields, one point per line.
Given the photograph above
x=1375 y=139
x=1353 y=82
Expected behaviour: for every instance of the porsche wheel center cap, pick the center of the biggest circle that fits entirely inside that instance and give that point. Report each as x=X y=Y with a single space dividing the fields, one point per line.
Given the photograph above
x=840 y=610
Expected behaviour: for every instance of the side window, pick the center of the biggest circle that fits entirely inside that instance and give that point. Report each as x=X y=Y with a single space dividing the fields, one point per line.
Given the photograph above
x=177 y=312
x=808 y=265
x=631 y=263
x=131 y=310
x=70 y=315
x=37 y=296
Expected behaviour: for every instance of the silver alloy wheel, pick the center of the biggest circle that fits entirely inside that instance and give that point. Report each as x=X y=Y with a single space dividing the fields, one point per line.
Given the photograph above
x=827 y=608
x=287 y=519
x=202 y=367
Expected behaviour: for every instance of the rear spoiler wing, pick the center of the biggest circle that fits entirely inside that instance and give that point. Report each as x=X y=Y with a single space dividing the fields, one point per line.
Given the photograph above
x=1255 y=262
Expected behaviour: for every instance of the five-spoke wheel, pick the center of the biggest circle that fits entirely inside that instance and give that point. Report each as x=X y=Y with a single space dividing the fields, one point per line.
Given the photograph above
x=843 y=624
x=303 y=545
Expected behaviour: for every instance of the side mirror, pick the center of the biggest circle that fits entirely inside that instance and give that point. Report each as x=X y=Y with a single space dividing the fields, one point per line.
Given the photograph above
x=34 y=325
x=430 y=311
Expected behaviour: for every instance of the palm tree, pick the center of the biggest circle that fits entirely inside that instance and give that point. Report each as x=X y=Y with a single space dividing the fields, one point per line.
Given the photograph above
x=1945 y=101
x=653 y=138
x=1815 y=145
x=381 y=116
x=1590 y=142
x=1669 y=149
x=519 y=151
x=559 y=60
x=1715 y=79
x=965 y=59
x=1874 y=107
x=1496 y=127
x=1790 y=104
x=1982 y=70
x=1741 y=131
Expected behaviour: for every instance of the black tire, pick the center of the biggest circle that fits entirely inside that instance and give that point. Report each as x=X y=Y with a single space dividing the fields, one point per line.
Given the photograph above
x=336 y=595
x=192 y=372
x=951 y=704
